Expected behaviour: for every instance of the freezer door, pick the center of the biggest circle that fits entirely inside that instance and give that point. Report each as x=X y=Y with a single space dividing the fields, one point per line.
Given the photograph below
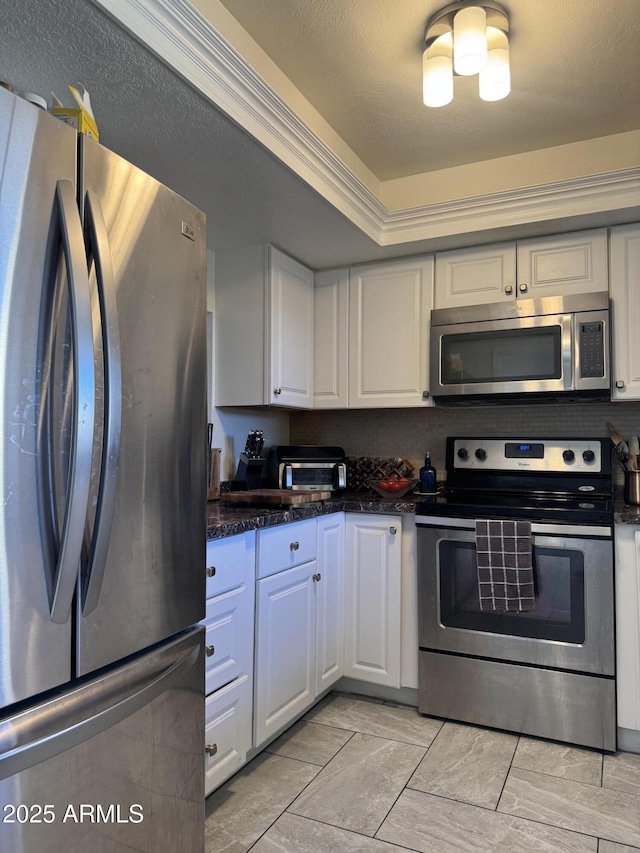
x=115 y=765
x=143 y=579
x=43 y=484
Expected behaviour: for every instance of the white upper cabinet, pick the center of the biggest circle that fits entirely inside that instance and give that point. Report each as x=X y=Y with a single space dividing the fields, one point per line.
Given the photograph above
x=331 y=340
x=567 y=263
x=475 y=276
x=264 y=329
x=529 y=269
x=389 y=314
x=625 y=311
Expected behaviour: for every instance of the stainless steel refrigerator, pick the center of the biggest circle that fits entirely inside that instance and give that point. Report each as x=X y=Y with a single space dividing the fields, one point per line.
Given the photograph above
x=103 y=498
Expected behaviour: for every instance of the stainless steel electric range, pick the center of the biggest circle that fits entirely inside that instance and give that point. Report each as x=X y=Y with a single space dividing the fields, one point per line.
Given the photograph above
x=547 y=671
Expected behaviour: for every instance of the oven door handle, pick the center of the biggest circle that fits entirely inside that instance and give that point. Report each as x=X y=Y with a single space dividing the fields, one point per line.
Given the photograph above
x=570 y=530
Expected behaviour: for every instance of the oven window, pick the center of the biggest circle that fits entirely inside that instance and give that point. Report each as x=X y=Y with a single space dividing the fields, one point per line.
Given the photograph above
x=313 y=476
x=516 y=355
x=558 y=613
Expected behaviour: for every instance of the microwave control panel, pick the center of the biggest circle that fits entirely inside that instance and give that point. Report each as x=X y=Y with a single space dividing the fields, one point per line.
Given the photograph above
x=591 y=349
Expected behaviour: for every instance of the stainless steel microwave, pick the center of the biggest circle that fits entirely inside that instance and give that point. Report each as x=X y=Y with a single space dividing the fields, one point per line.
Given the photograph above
x=547 y=348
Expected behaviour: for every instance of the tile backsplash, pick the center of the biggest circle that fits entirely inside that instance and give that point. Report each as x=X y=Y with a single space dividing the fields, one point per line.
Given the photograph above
x=411 y=432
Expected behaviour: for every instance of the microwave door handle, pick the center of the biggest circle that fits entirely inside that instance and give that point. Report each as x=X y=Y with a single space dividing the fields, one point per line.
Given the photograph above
x=342 y=476
x=569 y=366
x=287 y=476
x=75 y=514
x=106 y=499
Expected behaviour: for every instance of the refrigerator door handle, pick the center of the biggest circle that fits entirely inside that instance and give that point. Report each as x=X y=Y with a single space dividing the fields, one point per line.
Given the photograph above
x=40 y=733
x=75 y=515
x=99 y=241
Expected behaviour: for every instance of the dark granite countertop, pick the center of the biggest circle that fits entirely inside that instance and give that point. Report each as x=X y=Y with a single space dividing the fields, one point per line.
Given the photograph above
x=226 y=520
x=624 y=513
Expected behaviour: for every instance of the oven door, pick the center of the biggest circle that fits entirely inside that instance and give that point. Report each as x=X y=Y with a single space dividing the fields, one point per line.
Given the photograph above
x=518 y=355
x=571 y=624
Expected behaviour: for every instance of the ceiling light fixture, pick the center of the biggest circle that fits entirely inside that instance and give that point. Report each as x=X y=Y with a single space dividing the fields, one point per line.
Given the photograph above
x=466 y=38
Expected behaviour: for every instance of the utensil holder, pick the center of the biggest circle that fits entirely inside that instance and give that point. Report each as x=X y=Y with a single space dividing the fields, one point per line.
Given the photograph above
x=632 y=487
x=213 y=480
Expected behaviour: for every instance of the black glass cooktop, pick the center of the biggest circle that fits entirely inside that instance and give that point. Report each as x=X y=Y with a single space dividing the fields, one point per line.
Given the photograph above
x=559 y=509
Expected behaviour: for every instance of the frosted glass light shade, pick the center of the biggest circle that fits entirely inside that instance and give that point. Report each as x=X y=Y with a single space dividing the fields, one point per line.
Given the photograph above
x=495 y=78
x=469 y=40
x=437 y=79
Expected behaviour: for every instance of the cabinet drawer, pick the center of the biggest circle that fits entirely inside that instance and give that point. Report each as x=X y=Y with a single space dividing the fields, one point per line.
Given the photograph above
x=229 y=637
x=285 y=546
x=228 y=561
x=227 y=731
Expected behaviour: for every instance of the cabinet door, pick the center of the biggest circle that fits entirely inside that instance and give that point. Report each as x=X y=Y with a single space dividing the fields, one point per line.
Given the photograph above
x=285 y=649
x=564 y=264
x=290 y=333
x=330 y=601
x=475 y=276
x=628 y=625
x=625 y=311
x=389 y=314
x=372 y=598
x=330 y=339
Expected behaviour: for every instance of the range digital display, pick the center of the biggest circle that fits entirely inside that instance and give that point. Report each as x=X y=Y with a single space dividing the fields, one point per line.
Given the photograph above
x=519 y=450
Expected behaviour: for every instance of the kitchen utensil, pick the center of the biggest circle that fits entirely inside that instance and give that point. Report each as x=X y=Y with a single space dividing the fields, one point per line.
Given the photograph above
x=614 y=435
x=632 y=487
x=634 y=451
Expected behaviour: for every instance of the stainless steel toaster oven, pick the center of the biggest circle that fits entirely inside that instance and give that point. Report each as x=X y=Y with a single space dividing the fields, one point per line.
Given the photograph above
x=308 y=467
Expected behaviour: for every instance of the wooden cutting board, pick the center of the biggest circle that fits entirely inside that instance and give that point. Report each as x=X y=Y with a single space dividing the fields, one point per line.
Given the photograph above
x=273 y=497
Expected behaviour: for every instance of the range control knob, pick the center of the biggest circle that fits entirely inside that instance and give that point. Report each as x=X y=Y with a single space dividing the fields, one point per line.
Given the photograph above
x=463 y=453
x=588 y=455
x=481 y=454
x=568 y=455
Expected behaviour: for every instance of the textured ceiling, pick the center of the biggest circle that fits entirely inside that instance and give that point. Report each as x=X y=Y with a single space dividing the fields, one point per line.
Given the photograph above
x=575 y=71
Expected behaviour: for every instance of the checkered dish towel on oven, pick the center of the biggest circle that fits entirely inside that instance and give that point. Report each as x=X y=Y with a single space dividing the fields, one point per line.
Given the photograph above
x=505 y=565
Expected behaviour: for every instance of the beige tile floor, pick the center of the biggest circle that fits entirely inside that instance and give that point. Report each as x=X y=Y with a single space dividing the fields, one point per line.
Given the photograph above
x=363 y=775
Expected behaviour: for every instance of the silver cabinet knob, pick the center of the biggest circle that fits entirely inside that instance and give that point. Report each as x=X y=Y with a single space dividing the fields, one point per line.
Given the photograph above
x=619 y=383
x=294 y=546
x=317 y=577
x=393 y=530
x=210 y=650
x=425 y=395
x=211 y=571
x=508 y=289
x=277 y=391
x=523 y=288
x=211 y=748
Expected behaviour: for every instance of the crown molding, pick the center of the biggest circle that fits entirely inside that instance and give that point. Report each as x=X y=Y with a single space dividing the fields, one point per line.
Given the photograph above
x=185 y=41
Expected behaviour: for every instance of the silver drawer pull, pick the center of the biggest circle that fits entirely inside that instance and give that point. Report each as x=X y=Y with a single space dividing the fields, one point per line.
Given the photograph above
x=294 y=546
x=210 y=650
x=619 y=383
x=523 y=288
x=211 y=748
x=508 y=289
x=317 y=577
x=277 y=391
x=393 y=530
x=211 y=571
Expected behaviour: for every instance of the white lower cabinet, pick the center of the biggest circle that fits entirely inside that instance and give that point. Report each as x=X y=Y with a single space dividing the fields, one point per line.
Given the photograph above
x=373 y=598
x=298 y=631
x=627 y=545
x=229 y=624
